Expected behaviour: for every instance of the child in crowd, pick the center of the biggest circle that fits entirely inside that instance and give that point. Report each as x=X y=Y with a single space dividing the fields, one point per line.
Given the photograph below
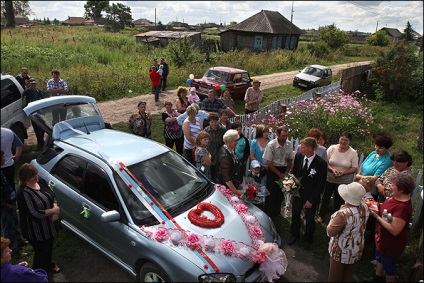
x=255 y=174
x=202 y=156
x=193 y=97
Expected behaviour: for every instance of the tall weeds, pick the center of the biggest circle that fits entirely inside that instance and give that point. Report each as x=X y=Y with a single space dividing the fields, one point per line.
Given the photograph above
x=112 y=65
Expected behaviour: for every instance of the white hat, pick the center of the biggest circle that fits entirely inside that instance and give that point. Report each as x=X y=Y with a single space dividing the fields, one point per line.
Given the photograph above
x=192 y=89
x=255 y=164
x=352 y=193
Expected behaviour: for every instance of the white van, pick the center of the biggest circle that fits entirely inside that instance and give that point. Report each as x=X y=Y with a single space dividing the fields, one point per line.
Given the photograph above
x=12 y=115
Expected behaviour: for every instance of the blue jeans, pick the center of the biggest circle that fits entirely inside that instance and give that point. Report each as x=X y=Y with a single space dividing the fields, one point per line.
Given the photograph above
x=9 y=226
x=156 y=90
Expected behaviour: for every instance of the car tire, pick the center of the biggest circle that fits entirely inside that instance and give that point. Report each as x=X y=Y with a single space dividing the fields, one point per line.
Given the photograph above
x=150 y=272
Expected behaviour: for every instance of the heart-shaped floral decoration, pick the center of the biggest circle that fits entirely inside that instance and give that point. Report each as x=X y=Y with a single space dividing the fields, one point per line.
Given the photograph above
x=197 y=218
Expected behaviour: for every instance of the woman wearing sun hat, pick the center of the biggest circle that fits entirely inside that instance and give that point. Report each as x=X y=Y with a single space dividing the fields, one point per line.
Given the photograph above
x=346 y=231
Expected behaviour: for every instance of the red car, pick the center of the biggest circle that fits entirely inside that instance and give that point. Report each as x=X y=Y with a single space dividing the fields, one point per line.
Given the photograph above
x=236 y=80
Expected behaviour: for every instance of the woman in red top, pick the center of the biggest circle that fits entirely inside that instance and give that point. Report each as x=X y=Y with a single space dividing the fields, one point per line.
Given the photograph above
x=396 y=231
x=155 y=78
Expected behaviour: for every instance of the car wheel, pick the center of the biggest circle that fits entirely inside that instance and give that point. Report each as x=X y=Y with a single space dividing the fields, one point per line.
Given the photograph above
x=149 y=272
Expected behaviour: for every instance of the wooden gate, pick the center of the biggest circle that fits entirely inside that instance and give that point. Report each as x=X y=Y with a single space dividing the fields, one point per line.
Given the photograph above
x=353 y=78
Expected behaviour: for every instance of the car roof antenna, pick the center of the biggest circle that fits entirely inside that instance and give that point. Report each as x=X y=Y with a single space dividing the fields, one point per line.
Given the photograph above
x=86 y=129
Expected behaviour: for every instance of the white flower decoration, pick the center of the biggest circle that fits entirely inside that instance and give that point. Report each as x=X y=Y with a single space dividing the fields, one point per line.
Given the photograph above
x=235 y=199
x=251 y=219
x=312 y=172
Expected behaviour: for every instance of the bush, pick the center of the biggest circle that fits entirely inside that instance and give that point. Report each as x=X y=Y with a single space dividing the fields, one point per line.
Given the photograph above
x=378 y=39
x=398 y=74
x=319 y=48
x=331 y=114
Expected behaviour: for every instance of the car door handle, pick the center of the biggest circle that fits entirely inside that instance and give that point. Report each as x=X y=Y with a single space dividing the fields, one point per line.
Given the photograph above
x=85 y=210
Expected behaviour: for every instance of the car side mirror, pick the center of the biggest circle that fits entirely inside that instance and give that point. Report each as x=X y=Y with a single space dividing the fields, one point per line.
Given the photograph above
x=110 y=216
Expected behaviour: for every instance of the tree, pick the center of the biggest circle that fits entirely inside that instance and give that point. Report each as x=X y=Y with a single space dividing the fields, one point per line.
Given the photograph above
x=333 y=37
x=408 y=33
x=55 y=21
x=232 y=24
x=94 y=9
x=379 y=38
x=9 y=14
x=118 y=16
x=397 y=74
x=181 y=51
x=20 y=8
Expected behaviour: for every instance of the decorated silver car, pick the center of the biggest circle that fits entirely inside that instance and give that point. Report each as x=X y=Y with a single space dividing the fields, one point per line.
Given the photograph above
x=144 y=206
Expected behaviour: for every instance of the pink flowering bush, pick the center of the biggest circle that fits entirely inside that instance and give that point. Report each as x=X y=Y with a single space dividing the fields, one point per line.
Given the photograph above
x=331 y=114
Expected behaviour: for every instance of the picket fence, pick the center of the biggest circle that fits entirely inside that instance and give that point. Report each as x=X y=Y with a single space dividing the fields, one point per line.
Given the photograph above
x=273 y=108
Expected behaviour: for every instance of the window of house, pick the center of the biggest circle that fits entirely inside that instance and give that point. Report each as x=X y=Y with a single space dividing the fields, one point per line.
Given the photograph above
x=258 y=42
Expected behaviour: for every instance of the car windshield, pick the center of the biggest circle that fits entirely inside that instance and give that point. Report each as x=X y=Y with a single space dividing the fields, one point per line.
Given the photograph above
x=312 y=71
x=218 y=76
x=49 y=116
x=170 y=180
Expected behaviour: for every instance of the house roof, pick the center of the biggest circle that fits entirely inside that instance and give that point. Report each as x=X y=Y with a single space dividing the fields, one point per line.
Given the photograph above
x=167 y=34
x=393 y=32
x=267 y=22
x=143 y=22
x=74 y=20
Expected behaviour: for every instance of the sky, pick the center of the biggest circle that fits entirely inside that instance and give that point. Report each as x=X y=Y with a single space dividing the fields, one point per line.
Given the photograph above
x=362 y=16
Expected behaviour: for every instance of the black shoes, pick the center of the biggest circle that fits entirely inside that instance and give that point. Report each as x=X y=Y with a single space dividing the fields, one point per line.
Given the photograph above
x=292 y=240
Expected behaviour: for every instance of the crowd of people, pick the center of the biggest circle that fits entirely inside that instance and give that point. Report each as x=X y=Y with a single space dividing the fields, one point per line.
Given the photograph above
x=202 y=132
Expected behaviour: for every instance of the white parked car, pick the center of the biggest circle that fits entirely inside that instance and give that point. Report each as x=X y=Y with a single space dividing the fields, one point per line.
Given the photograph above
x=12 y=114
x=313 y=76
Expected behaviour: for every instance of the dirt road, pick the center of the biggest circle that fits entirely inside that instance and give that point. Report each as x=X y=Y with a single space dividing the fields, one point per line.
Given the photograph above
x=118 y=110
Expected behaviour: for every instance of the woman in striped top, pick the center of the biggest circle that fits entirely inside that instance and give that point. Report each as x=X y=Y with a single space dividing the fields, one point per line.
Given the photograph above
x=192 y=125
x=39 y=216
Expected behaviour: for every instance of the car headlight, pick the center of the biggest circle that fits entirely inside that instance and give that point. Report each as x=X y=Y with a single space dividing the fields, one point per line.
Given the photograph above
x=217 y=277
x=296 y=79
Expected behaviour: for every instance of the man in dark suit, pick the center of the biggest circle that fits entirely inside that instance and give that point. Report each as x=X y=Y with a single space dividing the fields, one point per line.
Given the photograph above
x=165 y=73
x=312 y=170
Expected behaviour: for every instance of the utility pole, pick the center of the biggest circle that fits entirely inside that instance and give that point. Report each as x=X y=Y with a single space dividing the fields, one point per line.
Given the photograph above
x=376 y=27
x=291 y=20
x=155 y=16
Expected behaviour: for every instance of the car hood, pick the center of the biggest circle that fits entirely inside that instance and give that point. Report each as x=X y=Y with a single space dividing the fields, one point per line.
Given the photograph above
x=207 y=82
x=233 y=229
x=231 y=219
x=307 y=77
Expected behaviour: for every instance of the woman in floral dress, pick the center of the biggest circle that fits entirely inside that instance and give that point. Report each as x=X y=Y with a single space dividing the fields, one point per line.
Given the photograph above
x=140 y=123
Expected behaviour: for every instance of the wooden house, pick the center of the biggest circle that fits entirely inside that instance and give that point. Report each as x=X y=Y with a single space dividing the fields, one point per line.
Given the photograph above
x=264 y=31
x=162 y=38
x=393 y=33
x=74 y=21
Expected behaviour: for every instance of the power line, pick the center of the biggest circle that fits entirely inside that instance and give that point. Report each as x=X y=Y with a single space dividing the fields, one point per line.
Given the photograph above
x=363 y=7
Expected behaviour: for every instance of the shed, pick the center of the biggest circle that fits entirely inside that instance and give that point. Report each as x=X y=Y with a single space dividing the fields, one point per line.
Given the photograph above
x=393 y=33
x=162 y=38
x=264 y=31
